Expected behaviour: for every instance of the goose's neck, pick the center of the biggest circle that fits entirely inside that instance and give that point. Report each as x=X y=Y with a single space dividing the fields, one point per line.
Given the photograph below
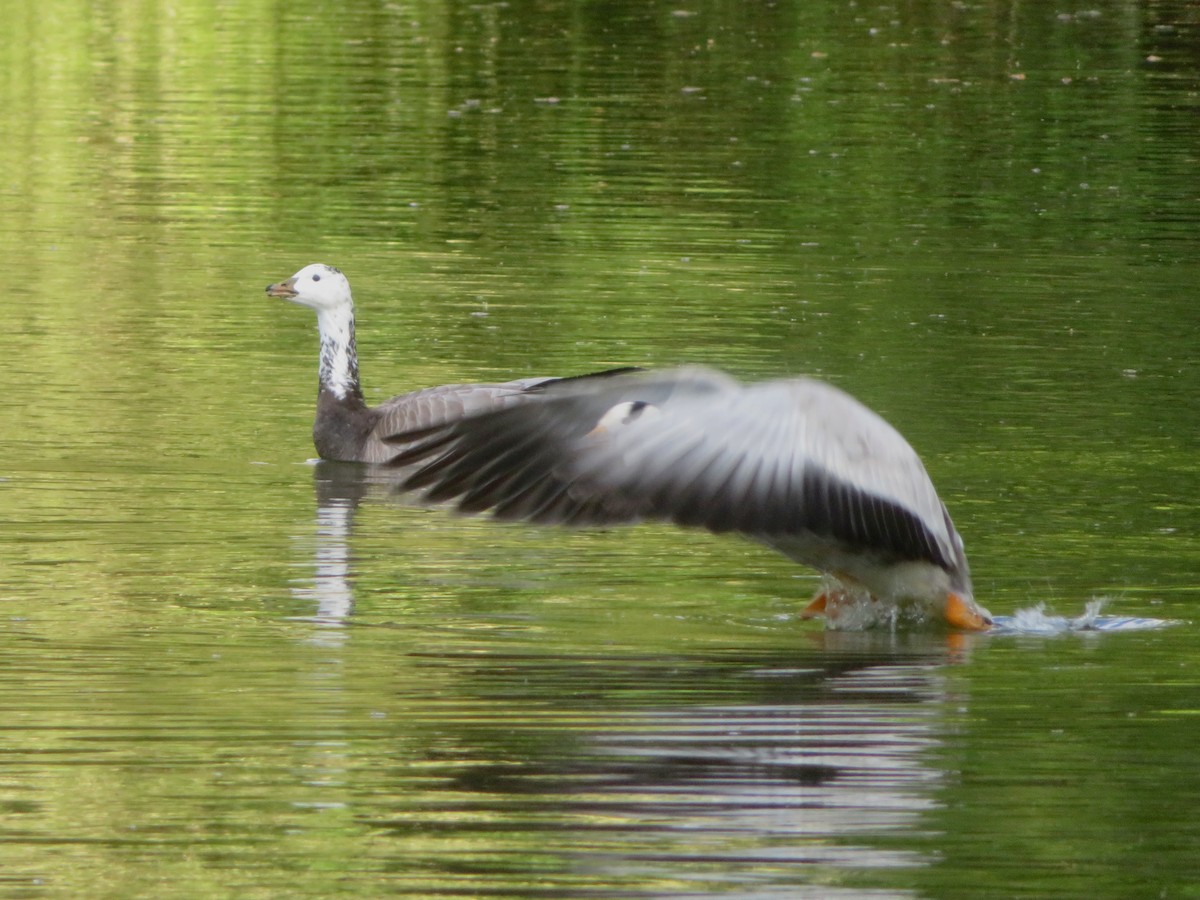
x=339 y=356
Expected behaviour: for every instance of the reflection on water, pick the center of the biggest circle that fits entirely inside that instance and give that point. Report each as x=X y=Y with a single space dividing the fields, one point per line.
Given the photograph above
x=810 y=783
x=339 y=490
x=806 y=777
x=766 y=775
x=808 y=774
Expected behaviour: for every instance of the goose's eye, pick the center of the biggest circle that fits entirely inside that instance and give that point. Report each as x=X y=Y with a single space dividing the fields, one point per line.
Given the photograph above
x=316 y=278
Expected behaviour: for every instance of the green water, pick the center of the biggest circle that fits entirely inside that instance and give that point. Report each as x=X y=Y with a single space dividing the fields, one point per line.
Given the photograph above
x=226 y=672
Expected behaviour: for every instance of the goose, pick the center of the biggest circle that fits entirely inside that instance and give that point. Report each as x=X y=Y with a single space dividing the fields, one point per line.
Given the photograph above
x=796 y=464
x=346 y=429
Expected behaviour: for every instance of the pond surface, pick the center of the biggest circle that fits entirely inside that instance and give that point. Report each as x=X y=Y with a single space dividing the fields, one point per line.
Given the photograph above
x=225 y=671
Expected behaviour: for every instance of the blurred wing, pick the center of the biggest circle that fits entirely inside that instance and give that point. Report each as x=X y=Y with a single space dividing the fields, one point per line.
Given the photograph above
x=520 y=462
x=774 y=460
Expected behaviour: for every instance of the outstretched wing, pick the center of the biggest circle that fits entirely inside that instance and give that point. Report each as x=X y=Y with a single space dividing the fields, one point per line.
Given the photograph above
x=775 y=460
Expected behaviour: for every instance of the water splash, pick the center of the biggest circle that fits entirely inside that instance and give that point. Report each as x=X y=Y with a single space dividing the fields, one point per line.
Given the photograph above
x=1035 y=620
x=852 y=609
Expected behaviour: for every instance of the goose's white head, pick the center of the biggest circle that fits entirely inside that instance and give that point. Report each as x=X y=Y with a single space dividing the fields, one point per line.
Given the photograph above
x=316 y=286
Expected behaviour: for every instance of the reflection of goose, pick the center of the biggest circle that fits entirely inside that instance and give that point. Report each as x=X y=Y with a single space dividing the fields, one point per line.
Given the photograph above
x=346 y=428
x=749 y=772
x=832 y=772
x=796 y=464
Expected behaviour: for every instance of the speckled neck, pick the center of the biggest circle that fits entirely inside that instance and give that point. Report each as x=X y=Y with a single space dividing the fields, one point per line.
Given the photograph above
x=339 y=356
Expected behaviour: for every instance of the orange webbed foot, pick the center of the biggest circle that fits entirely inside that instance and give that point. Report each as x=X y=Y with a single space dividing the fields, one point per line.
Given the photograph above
x=963 y=613
x=816 y=606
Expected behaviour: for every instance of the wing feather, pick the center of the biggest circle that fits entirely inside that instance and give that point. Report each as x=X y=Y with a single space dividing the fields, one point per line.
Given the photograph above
x=773 y=460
